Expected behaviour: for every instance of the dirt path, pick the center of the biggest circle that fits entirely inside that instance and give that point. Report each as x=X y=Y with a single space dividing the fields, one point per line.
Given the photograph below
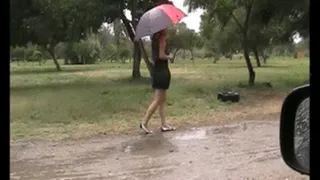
x=242 y=150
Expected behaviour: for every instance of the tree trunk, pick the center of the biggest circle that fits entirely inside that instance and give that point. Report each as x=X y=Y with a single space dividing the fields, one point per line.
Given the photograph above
x=130 y=31
x=146 y=58
x=255 y=52
x=191 y=52
x=252 y=74
x=117 y=32
x=264 y=60
x=174 y=55
x=136 y=61
x=66 y=61
x=192 y=58
x=130 y=27
x=244 y=29
x=51 y=52
x=263 y=56
x=56 y=63
x=184 y=55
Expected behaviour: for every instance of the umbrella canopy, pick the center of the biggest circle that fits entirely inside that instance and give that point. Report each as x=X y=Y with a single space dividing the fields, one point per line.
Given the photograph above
x=158 y=18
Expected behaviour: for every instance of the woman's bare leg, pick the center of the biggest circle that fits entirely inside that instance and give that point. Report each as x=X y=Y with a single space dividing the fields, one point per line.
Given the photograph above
x=161 y=109
x=152 y=107
x=164 y=125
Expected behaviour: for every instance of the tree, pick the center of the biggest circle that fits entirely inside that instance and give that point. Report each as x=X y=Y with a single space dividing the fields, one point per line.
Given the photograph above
x=224 y=11
x=174 y=41
x=137 y=8
x=18 y=31
x=109 y=52
x=219 y=39
x=47 y=22
x=117 y=30
x=105 y=36
x=121 y=41
x=262 y=37
x=248 y=13
x=179 y=37
x=190 y=40
x=68 y=20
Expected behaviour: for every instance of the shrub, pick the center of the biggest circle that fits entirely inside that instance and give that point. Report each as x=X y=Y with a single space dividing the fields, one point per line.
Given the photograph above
x=17 y=54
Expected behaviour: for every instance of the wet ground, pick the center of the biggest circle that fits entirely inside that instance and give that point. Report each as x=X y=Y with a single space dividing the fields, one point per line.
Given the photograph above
x=243 y=150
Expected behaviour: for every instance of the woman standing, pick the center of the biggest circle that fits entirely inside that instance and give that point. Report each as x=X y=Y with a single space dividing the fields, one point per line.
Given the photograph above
x=160 y=82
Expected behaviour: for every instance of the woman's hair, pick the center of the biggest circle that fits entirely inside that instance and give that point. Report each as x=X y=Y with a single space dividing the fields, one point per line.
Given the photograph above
x=157 y=35
x=155 y=40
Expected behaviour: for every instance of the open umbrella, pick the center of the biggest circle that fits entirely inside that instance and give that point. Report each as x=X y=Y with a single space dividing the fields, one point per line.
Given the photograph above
x=158 y=18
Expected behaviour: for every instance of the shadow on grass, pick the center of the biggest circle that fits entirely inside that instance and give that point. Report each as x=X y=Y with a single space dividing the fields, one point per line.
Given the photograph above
x=272 y=66
x=130 y=80
x=116 y=83
x=52 y=70
x=247 y=93
x=282 y=85
x=263 y=66
x=197 y=89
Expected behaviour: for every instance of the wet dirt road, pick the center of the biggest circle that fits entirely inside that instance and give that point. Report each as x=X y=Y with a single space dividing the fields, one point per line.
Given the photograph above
x=242 y=150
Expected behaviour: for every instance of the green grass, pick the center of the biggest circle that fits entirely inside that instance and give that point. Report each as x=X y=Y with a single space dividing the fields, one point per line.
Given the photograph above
x=84 y=100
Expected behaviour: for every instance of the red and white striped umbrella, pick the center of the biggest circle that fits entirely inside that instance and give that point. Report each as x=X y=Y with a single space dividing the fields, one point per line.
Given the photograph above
x=158 y=18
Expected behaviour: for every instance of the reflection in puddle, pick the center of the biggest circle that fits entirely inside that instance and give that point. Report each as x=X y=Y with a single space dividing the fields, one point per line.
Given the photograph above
x=205 y=133
x=225 y=130
x=193 y=135
x=128 y=149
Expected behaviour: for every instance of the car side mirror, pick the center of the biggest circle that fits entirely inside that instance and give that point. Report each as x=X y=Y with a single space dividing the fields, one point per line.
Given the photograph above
x=295 y=130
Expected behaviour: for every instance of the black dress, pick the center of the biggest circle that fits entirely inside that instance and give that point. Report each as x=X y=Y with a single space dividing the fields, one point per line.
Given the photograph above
x=161 y=73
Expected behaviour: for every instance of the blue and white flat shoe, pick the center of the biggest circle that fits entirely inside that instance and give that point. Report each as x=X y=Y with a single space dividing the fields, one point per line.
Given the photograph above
x=165 y=129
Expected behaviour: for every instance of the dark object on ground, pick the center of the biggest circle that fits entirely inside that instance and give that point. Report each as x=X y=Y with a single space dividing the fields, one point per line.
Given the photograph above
x=228 y=96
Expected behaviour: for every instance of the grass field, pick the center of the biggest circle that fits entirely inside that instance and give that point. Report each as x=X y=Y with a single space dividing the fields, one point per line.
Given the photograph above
x=101 y=99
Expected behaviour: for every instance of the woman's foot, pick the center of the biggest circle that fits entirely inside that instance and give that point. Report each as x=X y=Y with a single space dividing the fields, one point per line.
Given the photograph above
x=166 y=128
x=145 y=128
